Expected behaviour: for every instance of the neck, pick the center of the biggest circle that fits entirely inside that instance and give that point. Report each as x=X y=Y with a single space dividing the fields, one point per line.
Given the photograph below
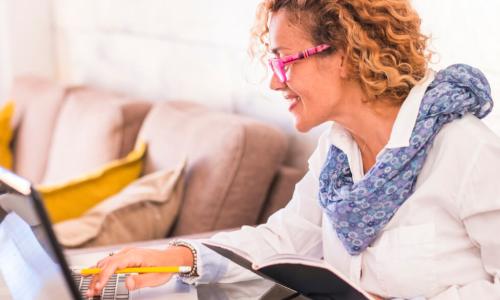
x=370 y=126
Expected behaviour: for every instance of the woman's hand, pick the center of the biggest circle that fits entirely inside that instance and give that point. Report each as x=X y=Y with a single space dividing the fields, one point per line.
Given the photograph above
x=136 y=257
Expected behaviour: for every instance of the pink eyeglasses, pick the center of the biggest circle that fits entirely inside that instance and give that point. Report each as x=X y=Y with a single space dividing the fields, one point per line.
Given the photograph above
x=278 y=64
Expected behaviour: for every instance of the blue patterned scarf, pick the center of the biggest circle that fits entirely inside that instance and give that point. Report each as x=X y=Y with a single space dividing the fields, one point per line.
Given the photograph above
x=358 y=211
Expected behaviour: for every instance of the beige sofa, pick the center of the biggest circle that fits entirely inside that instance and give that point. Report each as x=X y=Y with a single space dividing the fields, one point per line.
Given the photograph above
x=234 y=176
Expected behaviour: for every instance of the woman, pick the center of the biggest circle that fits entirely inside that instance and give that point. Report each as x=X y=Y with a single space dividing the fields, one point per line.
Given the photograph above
x=400 y=194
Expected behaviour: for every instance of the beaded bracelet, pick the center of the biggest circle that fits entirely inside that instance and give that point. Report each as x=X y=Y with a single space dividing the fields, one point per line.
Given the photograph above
x=194 y=269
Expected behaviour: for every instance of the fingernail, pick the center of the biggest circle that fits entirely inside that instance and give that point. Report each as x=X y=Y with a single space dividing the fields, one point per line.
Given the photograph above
x=98 y=286
x=131 y=284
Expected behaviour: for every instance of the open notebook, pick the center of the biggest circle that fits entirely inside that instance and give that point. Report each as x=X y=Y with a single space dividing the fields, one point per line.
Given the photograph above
x=309 y=277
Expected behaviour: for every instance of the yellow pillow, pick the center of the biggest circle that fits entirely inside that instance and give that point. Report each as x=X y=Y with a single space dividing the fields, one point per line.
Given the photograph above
x=72 y=199
x=6 y=113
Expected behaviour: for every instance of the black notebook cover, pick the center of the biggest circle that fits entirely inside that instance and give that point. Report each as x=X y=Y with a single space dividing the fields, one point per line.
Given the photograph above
x=305 y=276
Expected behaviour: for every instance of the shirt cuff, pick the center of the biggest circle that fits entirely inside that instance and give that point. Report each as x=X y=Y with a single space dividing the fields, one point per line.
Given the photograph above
x=210 y=265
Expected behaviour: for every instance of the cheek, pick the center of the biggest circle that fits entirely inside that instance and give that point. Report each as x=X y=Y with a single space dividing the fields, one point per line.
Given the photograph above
x=316 y=97
x=306 y=87
x=319 y=87
x=318 y=106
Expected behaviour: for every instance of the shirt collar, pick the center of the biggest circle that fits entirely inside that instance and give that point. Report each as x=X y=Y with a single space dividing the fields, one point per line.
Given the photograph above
x=407 y=115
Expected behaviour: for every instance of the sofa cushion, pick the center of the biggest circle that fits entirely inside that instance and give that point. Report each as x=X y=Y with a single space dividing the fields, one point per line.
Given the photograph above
x=144 y=210
x=37 y=105
x=73 y=198
x=93 y=128
x=6 y=114
x=231 y=162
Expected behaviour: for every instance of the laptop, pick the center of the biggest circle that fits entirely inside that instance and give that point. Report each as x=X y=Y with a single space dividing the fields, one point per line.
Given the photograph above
x=33 y=264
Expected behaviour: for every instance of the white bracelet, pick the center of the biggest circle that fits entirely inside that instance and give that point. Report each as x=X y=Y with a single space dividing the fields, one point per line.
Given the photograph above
x=194 y=269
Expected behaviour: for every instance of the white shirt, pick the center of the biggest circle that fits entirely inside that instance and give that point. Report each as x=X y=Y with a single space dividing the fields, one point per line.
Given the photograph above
x=442 y=243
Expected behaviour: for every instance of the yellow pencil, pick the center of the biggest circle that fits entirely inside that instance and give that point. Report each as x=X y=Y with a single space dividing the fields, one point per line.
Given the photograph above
x=165 y=269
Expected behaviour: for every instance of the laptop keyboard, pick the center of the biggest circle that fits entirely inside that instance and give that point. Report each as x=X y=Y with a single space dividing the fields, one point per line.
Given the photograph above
x=114 y=289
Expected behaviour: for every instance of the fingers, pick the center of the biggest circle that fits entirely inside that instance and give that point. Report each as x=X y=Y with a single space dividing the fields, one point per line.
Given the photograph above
x=134 y=282
x=125 y=258
x=132 y=257
x=99 y=280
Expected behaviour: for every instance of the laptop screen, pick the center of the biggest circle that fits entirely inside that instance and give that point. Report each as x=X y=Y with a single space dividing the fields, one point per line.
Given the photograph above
x=33 y=266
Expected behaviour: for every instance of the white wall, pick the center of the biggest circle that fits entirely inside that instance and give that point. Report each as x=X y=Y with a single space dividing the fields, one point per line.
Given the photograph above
x=465 y=31
x=165 y=49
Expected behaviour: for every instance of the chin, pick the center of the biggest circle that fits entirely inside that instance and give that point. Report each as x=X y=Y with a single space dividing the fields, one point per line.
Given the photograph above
x=302 y=127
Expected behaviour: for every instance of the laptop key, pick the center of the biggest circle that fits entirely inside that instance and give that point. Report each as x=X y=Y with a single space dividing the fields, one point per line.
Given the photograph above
x=121 y=289
x=115 y=288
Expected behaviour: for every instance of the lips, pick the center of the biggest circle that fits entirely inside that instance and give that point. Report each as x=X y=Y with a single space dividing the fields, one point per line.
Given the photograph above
x=293 y=104
x=293 y=101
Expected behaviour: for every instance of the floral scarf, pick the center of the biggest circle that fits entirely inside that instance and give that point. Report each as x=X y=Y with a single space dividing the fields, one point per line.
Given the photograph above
x=358 y=211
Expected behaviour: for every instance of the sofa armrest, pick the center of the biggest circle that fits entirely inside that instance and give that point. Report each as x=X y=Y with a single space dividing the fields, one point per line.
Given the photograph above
x=281 y=191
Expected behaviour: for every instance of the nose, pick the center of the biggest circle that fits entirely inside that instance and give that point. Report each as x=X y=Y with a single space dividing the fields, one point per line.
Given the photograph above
x=275 y=84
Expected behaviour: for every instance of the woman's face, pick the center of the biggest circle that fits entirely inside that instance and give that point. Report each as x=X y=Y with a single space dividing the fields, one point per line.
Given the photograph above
x=314 y=86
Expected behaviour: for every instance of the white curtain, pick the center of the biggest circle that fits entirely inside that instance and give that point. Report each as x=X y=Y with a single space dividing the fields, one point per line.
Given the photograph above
x=26 y=41
x=5 y=63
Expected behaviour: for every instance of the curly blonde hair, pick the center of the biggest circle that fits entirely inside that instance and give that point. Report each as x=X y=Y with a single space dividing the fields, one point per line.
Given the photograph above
x=385 y=50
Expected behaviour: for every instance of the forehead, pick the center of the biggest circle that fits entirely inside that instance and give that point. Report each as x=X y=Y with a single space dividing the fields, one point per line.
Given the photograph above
x=285 y=34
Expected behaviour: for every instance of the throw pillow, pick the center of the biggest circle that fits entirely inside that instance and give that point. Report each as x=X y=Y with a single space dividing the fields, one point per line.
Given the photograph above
x=144 y=210
x=71 y=199
x=6 y=113
x=97 y=127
